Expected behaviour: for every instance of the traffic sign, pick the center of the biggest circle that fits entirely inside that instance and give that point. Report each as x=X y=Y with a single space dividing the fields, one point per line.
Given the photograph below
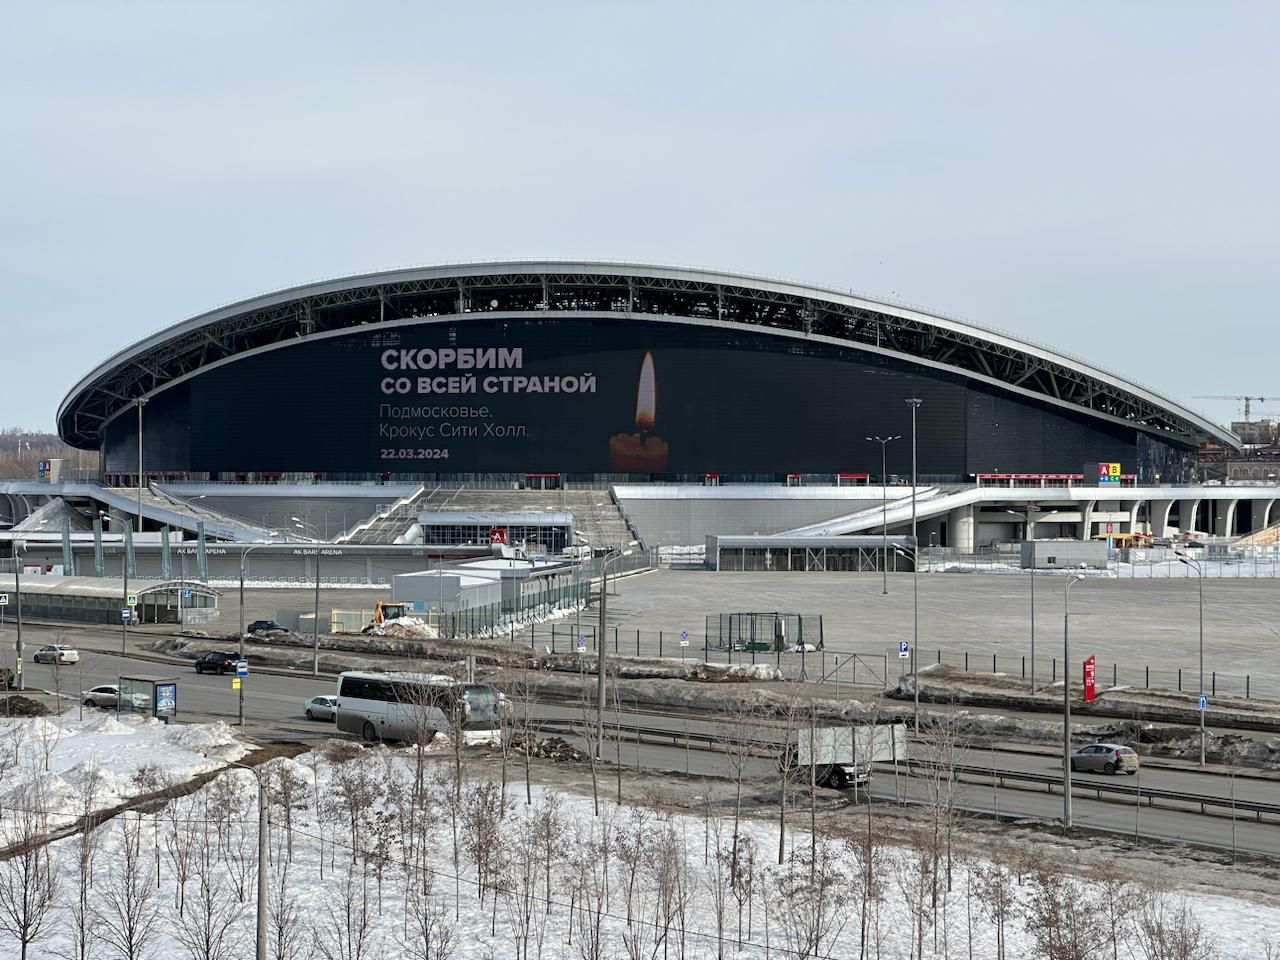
x=4 y=599
x=684 y=634
x=133 y=600
x=235 y=683
x=684 y=643
x=186 y=593
x=126 y=613
x=904 y=649
x=1204 y=703
x=582 y=644
x=242 y=668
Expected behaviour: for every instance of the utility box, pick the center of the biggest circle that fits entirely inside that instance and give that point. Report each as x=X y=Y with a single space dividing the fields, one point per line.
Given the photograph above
x=1064 y=554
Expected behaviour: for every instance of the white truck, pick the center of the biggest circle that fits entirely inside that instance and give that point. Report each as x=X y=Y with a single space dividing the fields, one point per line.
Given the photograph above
x=841 y=757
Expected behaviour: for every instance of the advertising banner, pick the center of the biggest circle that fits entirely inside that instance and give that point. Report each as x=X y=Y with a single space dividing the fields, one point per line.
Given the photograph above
x=1090 y=679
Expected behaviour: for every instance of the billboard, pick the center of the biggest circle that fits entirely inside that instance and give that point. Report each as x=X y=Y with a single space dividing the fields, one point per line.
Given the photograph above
x=602 y=395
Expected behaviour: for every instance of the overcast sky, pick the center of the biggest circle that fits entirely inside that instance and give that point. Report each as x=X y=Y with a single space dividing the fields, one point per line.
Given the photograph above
x=1099 y=177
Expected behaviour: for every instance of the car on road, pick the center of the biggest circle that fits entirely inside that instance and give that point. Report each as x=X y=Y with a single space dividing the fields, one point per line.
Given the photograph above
x=263 y=626
x=56 y=653
x=1105 y=758
x=217 y=661
x=108 y=695
x=321 y=708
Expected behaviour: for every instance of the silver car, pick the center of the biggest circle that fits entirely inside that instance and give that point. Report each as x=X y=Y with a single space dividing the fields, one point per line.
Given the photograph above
x=322 y=708
x=108 y=695
x=1105 y=758
x=56 y=653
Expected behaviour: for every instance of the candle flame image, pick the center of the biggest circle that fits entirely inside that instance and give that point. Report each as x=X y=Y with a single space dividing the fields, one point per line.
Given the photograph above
x=641 y=452
x=646 y=396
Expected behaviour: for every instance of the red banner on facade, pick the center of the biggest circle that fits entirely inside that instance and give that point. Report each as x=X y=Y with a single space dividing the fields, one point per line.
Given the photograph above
x=1090 y=679
x=498 y=535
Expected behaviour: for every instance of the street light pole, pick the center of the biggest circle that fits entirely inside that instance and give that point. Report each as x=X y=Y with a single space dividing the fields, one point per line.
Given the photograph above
x=914 y=404
x=610 y=557
x=244 y=553
x=1066 y=700
x=315 y=624
x=140 y=402
x=1199 y=569
x=17 y=589
x=884 y=503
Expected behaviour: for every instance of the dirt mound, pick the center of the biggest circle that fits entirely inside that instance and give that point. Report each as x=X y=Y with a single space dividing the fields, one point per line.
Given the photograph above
x=16 y=705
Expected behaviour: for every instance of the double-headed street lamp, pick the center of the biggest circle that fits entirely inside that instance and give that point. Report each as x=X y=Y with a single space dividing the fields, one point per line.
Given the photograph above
x=315 y=635
x=1029 y=533
x=884 y=501
x=244 y=553
x=611 y=557
x=1195 y=565
x=1066 y=699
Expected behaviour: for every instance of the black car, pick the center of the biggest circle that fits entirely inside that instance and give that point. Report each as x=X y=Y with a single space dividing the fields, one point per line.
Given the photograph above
x=216 y=662
x=261 y=626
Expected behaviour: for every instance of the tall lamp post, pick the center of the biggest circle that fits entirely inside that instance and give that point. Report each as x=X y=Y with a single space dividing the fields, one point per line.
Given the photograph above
x=611 y=557
x=884 y=502
x=914 y=404
x=140 y=403
x=244 y=553
x=915 y=630
x=1066 y=699
x=315 y=635
x=1029 y=533
x=1195 y=565
x=17 y=589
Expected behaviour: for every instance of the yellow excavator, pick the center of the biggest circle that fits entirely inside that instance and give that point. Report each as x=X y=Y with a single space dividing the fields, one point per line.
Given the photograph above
x=385 y=610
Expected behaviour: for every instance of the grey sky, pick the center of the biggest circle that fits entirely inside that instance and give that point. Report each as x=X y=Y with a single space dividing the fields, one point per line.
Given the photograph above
x=1099 y=177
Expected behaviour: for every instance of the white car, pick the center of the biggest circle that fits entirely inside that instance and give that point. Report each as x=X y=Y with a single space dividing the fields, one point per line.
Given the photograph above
x=108 y=695
x=57 y=653
x=321 y=708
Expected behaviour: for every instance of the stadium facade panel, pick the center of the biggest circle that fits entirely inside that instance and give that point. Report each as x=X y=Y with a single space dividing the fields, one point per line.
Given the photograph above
x=606 y=371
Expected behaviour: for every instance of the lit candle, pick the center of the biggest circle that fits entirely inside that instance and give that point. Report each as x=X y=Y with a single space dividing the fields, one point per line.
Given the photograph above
x=641 y=452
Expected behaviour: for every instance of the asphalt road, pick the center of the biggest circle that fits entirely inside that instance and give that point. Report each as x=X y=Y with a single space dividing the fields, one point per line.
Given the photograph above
x=274 y=708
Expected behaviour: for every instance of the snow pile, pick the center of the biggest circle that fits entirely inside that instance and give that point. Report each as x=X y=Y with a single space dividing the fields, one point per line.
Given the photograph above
x=73 y=766
x=404 y=628
x=359 y=855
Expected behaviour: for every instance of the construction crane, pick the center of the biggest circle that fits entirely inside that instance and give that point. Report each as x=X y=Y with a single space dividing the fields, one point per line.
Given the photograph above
x=1247 y=401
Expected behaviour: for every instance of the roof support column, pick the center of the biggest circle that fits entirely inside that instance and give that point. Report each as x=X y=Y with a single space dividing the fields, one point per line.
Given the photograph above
x=1224 y=517
x=1187 y=510
x=1158 y=518
x=960 y=529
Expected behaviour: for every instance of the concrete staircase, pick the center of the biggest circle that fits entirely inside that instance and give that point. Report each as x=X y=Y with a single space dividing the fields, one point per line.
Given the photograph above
x=596 y=516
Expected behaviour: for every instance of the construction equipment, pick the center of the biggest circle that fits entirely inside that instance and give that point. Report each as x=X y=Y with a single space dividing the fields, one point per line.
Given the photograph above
x=385 y=610
x=1247 y=401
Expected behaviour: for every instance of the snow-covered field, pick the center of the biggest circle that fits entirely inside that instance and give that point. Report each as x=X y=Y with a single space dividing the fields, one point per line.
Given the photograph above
x=73 y=766
x=369 y=860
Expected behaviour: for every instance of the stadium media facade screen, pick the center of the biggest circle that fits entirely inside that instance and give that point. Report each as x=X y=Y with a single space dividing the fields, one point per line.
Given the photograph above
x=597 y=396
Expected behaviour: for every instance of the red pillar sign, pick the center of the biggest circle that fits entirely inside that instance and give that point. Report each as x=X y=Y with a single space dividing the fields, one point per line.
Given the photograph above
x=1090 y=679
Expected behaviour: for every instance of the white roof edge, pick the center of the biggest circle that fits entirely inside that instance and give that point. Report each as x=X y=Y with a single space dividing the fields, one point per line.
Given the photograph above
x=623 y=268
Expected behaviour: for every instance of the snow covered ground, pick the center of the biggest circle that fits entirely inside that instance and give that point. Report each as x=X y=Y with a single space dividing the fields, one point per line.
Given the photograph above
x=55 y=759
x=364 y=866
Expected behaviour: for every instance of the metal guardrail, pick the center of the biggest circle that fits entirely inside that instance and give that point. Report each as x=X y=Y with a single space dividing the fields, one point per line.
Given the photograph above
x=1134 y=791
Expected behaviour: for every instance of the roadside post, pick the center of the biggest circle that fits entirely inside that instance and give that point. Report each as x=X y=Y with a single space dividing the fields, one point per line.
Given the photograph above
x=684 y=643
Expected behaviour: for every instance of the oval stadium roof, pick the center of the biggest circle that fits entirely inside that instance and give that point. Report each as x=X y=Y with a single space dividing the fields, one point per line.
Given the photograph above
x=565 y=288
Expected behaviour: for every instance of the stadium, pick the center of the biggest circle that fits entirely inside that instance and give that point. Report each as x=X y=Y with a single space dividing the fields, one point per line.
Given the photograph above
x=606 y=372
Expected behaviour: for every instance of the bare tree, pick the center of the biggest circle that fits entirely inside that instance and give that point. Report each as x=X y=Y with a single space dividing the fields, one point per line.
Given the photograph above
x=128 y=914
x=590 y=897
x=346 y=931
x=788 y=767
x=548 y=829
x=483 y=810
x=432 y=935
x=525 y=920
x=1166 y=929
x=80 y=916
x=812 y=901
x=1064 y=918
x=204 y=928
x=998 y=898
x=182 y=835
x=1119 y=899
x=284 y=918
x=286 y=792
x=28 y=879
